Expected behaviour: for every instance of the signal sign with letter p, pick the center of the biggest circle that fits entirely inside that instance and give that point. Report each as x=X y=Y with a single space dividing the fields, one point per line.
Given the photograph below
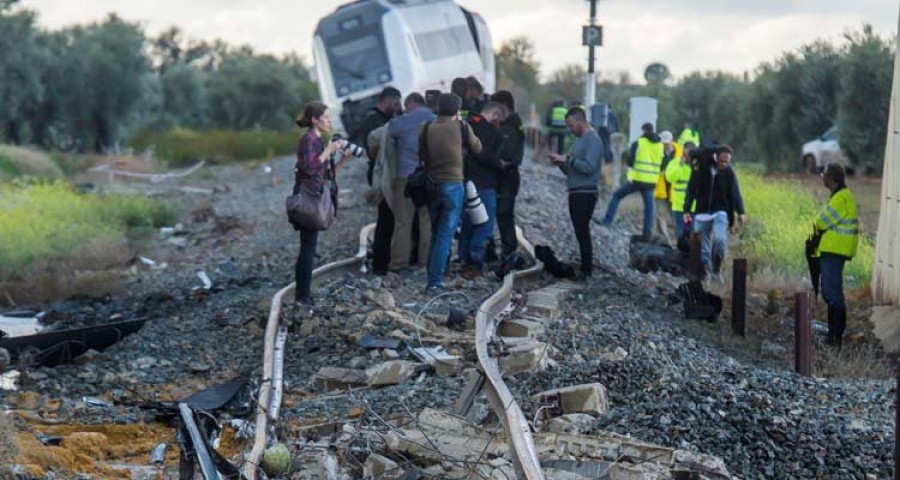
x=592 y=36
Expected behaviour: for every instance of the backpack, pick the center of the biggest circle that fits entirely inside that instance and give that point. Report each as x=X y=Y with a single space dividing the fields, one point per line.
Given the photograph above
x=420 y=186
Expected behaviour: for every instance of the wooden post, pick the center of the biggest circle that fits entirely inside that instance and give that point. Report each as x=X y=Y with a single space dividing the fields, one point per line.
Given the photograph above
x=739 y=296
x=802 y=333
x=695 y=263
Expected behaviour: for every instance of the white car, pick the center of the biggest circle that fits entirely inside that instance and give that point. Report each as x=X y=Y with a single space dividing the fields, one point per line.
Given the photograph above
x=822 y=151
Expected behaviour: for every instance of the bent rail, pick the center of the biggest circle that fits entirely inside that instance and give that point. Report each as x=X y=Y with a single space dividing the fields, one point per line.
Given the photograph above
x=521 y=442
x=269 y=405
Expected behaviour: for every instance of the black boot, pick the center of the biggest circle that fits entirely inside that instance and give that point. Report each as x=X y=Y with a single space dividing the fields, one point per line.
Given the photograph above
x=840 y=324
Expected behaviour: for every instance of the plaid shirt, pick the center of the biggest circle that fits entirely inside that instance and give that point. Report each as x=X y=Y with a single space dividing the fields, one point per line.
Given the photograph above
x=308 y=168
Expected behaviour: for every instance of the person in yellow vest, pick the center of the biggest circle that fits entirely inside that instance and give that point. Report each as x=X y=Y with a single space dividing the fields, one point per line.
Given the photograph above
x=556 y=126
x=689 y=134
x=838 y=224
x=662 y=195
x=646 y=156
x=678 y=174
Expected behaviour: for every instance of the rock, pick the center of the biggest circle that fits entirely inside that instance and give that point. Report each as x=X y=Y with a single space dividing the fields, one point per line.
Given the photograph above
x=772 y=348
x=144 y=363
x=392 y=372
x=378 y=466
x=587 y=398
x=572 y=423
x=382 y=298
x=335 y=378
x=390 y=354
x=276 y=460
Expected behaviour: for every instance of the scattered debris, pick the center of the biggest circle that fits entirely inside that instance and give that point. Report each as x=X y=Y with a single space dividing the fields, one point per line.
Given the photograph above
x=207 y=283
x=373 y=342
x=587 y=398
x=392 y=372
x=158 y=454
x=276 y=460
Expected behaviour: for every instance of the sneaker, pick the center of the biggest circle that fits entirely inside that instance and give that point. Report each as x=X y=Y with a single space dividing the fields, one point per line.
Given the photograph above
x=434 y=289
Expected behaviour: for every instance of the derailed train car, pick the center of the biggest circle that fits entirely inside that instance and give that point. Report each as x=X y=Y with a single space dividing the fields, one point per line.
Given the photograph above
x=413 y=45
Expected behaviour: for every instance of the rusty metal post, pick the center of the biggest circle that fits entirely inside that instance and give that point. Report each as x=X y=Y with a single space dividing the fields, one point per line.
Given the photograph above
x=695 y=263
x=802 y=333
x=738 y=296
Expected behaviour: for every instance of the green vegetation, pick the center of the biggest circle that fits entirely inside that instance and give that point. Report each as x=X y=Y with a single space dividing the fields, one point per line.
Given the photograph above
x=47 y=220
x=780 y=220
x=181 y=146
x=88 y=87
x=766 y=114
x=18 y=161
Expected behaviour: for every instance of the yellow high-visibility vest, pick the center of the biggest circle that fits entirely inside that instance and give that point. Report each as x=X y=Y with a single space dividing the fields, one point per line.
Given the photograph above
x=679 y=176
x=839 y=222
x=689 y=135
x=661 y=185
x=647 y=162
x=558 y=119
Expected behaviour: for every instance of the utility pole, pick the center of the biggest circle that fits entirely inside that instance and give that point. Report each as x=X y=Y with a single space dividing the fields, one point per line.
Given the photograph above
x=591 y=36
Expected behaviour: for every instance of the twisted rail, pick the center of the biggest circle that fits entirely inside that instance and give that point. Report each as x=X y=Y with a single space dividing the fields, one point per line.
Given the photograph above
x=270 y=392
x=521 y=442
x=518 y=430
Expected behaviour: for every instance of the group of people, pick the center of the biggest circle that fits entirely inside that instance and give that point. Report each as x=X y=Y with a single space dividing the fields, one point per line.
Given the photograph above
x=693 y=184
x=467 y=136
x=462 y=136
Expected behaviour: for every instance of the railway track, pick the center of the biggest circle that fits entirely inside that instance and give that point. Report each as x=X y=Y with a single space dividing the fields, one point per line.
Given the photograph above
x=501 y=399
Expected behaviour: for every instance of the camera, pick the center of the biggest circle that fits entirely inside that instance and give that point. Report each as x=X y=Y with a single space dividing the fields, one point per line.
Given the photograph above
x=351 y=148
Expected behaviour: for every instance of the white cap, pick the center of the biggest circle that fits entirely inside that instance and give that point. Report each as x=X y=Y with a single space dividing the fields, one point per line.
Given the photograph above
x=666 y=136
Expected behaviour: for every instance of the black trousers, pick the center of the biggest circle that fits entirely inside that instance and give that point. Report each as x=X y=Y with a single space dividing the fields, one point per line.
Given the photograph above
x=581 y=208
x=507 y=189
x=305 y=259
x=381 y=245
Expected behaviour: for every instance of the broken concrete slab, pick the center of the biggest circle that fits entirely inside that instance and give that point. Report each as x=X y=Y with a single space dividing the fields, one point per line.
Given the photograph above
x=544 y=302
x=520 y=328
x=443 y=362
x=573 y=423
x=525 y=356
x=336 y=378
x=379 y=466
x=587 y=398
x=392 y=372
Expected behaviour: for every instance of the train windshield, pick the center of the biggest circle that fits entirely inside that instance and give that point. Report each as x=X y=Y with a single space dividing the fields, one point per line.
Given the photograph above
x=358 y=59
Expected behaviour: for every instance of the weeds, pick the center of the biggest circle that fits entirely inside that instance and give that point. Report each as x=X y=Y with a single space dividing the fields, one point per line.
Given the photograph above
x=48 y=220
x=180 y=146
x=18 y=161
x=780 y=219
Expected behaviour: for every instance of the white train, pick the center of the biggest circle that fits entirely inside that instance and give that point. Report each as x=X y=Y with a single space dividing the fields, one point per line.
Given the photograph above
x=412 y=45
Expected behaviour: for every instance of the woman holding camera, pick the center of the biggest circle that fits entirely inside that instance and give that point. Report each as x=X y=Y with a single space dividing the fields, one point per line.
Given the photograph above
x=313 y=167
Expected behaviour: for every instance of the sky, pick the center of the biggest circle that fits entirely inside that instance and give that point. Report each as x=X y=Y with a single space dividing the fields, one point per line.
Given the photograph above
x=686 y=35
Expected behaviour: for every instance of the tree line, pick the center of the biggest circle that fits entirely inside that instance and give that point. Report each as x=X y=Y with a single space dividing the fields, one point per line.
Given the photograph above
x=86 y=88
x=766 y=114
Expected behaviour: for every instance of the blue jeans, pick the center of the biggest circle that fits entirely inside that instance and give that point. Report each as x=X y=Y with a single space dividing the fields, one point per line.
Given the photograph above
x=624 y=191
x=715 y=238
x=444 y=211
x=832 y=270
x=678 y=217
x=473 y=238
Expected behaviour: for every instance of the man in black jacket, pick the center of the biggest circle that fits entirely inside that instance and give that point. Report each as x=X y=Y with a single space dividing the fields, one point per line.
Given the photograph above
x=388 y=107
x=512 y=151
x=714 y=186
x=482 y=169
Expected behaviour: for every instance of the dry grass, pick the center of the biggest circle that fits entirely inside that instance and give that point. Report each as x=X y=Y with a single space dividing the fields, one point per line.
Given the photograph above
x=17 y=161
x=93 y=271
